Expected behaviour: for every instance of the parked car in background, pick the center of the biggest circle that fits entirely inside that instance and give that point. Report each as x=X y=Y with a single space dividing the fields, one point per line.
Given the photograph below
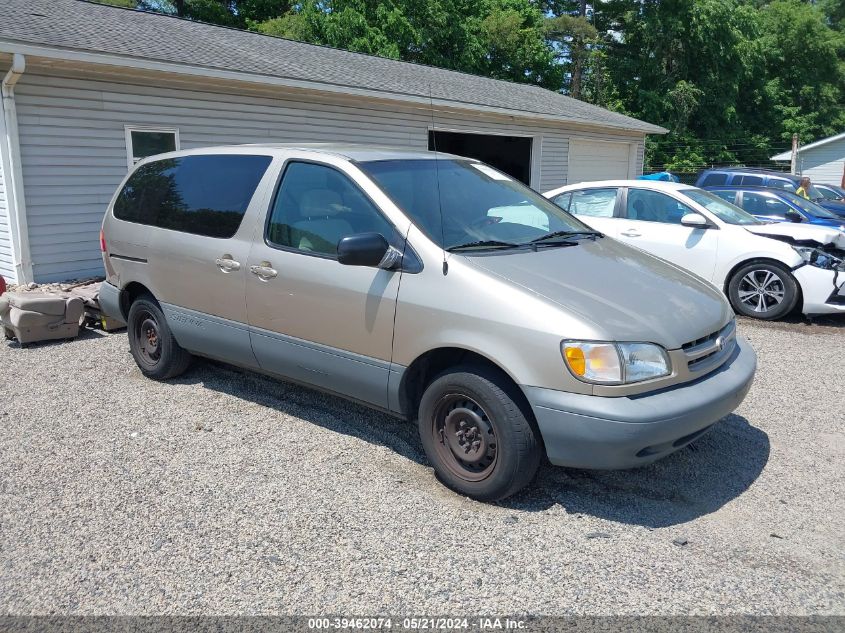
x=516 y=329
x=832 y=192
x=772 y=205
x=766 y=270
x=748 y=177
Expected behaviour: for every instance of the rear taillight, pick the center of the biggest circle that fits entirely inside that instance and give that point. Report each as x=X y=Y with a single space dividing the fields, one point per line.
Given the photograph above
x=102 y=241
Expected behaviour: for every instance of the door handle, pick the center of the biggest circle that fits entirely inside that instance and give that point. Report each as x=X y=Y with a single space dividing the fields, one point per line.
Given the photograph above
x=631 y=233
x=264 y=271
x=227 y=264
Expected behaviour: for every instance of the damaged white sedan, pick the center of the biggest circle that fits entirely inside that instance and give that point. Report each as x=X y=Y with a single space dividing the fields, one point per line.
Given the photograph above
x=766 y=269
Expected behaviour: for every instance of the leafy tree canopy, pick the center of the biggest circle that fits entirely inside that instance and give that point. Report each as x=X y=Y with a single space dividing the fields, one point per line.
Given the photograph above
x=731 y=79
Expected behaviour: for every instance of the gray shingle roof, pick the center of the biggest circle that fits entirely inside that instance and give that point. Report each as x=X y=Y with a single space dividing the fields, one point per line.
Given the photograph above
x=77 y=25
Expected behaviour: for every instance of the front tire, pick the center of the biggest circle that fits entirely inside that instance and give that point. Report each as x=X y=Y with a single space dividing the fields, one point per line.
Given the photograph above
x=476 y=435
x=763 y=290
x=153 y=347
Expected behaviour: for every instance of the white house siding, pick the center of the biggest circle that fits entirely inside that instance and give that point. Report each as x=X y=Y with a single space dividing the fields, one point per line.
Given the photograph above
x=823 y=164
x=7 y=269
x=74 y=152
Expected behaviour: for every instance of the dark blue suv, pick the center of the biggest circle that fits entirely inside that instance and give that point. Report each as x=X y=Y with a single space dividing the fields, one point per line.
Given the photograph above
x=748 y=177
x=775 y=205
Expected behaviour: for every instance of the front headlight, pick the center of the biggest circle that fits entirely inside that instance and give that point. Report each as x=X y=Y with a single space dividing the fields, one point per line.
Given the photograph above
x=615 y=363
x=818 y=258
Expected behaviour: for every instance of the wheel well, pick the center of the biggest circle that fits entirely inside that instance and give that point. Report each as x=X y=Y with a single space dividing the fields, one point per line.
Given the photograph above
x=755 y=260
x=422 y=371
x=764 y=260
x=132 y=291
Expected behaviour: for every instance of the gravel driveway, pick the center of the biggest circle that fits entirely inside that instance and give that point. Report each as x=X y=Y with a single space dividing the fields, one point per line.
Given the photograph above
x=226 y=492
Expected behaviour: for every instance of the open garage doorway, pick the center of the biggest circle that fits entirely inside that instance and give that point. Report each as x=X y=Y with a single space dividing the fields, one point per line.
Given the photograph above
x=510 y=154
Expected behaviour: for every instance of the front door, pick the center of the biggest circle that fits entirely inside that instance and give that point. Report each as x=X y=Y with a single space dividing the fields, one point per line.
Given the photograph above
x=311 y=318
x=652 y=222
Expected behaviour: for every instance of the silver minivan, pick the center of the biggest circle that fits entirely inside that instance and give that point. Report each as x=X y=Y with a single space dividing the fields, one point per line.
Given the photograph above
x=429 y=286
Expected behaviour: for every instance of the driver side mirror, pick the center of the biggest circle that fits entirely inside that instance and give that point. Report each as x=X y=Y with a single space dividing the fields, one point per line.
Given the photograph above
x=695 y=221
x=362 y=249
x=793 y=216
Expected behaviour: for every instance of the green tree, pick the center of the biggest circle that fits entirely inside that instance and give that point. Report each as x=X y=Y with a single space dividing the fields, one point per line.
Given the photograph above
x=805 y=66
x=691 y=66
x=238 y=13
x=497 y=38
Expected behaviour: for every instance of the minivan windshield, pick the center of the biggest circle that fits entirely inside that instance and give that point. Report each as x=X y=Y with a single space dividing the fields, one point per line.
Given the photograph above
x=725 y=211
x=810 y=207
x=480 y=207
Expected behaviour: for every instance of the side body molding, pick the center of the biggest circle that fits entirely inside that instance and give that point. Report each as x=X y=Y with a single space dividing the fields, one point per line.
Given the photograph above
x=211 y=336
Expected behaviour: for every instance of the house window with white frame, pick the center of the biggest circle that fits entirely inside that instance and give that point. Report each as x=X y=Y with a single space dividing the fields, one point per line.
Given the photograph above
x=147 y=141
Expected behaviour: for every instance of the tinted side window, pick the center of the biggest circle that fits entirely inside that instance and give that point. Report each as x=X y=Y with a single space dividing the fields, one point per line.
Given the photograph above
x=205 y=195
x=750 y=180
x=653 y=206
x=730 y=196
x=598 y=203
x=713 y=179
x=317 y=205
x=761 y=204
x=782 y=183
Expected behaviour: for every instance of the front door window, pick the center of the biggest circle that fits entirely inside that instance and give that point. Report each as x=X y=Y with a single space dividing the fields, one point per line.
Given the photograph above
x=316 y=206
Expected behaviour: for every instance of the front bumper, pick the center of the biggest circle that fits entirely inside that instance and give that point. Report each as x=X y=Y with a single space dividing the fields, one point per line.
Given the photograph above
x=583 y=431
x=823 y=290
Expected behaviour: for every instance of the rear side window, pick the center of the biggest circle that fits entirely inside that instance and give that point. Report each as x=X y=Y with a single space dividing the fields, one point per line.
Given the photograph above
x=713 y=179
x=782 y=183
x=562 y=200
x=598 y=203
x=730 y=196
x=204 y=195
x=750 y=180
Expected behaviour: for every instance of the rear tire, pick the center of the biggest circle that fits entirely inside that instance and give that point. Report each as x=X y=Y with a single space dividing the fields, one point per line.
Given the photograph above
x=153 y=347
x=763 y=290
x=476 y=435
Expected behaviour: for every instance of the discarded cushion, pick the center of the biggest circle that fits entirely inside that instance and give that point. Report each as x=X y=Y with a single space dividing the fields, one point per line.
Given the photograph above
x=38 y=316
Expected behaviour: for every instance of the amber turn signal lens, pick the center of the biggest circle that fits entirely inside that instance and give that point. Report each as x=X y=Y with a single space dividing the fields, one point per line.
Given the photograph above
x=575 y=360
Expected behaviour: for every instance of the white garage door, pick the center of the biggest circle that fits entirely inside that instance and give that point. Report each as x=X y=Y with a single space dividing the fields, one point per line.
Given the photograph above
x=599 y=160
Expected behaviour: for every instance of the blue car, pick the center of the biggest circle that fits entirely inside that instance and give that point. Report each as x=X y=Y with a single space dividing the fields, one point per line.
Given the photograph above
x=776 y=205
x=832 y=192
x=749 y=177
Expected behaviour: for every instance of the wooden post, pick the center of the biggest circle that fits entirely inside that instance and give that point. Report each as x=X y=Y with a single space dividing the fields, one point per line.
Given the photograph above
x=794 y=154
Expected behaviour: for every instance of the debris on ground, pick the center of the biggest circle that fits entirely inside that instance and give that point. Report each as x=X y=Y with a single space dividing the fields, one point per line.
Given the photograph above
x=88 y=290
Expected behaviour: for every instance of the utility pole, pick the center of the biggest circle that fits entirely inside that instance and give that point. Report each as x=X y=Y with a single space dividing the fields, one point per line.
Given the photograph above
x=794 y=154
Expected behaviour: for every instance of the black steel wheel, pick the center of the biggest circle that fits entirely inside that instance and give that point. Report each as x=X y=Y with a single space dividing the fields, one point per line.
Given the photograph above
x=466 y=437
x=476 y=434
x=153 y=347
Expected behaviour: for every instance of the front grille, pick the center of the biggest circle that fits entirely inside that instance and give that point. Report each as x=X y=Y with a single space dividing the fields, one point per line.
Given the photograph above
x=710 y=351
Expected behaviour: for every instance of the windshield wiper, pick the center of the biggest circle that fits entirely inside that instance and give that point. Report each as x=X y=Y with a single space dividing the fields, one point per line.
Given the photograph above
x=483 y=244
x=557 y=234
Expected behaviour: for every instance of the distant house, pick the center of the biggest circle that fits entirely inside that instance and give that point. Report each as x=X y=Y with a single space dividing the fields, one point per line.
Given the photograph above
x=88 y=89
x=823 y=161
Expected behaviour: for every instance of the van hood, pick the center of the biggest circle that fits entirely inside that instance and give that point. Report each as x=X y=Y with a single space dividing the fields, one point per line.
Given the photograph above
x=804 y=234
x=623 y=292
